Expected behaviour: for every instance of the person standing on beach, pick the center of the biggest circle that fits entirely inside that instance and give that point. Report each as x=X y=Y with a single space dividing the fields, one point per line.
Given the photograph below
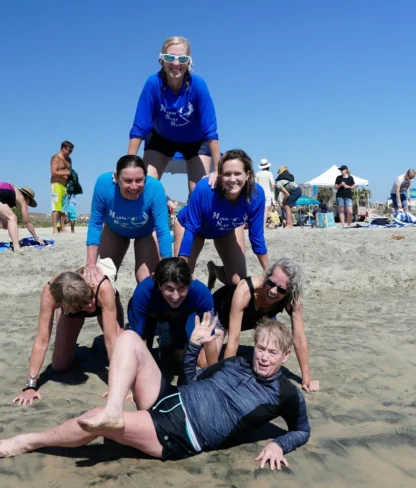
x=400 y=192
x=264 y=178
x=344 y=184
x=175 y=113
x=60 y=165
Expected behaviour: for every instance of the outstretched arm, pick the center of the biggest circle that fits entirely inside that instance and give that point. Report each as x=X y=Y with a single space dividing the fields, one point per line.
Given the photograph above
x=108 y=321
x=301 y=348
x=239 y=302
x=294 y=413
x=40 y=346
x=202 y=334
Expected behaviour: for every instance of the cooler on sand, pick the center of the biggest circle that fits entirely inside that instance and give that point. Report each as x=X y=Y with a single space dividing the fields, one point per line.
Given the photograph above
x=325 y=220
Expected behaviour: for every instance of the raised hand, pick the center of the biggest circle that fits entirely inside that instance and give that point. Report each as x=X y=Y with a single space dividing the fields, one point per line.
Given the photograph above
x=202 y=333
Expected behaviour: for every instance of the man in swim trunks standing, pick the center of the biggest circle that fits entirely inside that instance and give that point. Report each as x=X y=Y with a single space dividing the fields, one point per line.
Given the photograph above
x=60 y=165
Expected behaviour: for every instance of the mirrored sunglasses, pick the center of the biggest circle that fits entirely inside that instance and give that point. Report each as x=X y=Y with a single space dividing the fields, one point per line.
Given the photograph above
x=170 y=58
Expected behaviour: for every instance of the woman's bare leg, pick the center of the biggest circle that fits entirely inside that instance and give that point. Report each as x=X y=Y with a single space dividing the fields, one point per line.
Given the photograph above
x=231 y=249
x=155 y=163
x=178 y=232
x=341 y=211
x=197 y=168
x=10 y=218
x=132 y=365
x=113 y=246
x=146 y=252
x=139 y=432
x=67 y=332
x=198 y=244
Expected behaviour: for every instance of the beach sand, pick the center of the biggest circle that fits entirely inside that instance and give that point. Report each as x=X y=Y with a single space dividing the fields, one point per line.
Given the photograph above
x=359 y=316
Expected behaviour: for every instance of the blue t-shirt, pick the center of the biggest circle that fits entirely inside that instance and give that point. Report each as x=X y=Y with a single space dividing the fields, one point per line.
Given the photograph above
x=211 y=215
x=187 y=116
x=130 y=218
x=147 y=307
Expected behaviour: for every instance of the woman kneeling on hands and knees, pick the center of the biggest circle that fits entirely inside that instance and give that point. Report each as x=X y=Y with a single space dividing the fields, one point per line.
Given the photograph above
x=241 y=307
x=132 y=207
x=172 y=421
x=74 y=300
x=220 y=214
x=172 y=296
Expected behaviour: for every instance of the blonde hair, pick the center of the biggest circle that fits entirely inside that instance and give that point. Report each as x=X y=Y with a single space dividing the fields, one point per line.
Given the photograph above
x=273 y=331
x=71 y=292
x=171 y=41
x=411 y=173
x=281 y=169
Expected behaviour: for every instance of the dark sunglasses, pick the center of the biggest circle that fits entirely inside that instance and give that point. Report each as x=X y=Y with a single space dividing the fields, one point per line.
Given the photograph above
x=280 y=289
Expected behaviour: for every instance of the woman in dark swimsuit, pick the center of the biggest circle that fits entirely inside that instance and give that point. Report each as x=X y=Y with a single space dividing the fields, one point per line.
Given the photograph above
x=74 y=300
x=241 y=307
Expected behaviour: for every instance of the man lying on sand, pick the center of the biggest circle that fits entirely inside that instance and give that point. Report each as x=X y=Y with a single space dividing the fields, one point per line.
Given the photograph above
x=215 y=403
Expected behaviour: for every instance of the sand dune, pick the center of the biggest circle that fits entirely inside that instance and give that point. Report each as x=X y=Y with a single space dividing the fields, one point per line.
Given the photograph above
x=360 y=297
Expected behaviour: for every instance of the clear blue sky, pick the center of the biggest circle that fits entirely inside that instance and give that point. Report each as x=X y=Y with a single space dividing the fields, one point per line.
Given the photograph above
x=303 y=83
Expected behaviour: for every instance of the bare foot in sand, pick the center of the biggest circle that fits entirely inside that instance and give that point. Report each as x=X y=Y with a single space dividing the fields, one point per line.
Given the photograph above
x=212 y=277
x=104 y=420
x=13 y=447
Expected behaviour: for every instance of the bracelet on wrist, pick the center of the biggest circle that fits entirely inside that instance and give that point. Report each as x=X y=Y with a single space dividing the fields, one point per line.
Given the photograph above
x=31 y=382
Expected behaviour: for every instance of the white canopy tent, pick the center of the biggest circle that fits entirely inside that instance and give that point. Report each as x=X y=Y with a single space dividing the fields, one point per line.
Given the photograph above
x=328 y=178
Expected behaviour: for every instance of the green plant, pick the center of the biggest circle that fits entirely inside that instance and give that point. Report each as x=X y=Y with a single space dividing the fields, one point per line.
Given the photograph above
x=362 y=196
x=324 y=194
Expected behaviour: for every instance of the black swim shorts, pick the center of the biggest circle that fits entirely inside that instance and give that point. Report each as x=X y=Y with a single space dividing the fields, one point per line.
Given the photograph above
x=168 y=148
x=170 y=423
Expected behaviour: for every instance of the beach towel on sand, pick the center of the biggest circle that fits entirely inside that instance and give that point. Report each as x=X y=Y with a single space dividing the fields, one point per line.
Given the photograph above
x=27 y=242
x=405 y=217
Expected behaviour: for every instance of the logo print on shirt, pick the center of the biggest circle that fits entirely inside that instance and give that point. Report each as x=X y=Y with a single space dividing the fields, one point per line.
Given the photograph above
x=129 y=222
x=178 y=118
x=228 y=223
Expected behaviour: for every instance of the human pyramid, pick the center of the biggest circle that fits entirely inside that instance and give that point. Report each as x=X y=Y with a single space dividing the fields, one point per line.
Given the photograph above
x=175 y=113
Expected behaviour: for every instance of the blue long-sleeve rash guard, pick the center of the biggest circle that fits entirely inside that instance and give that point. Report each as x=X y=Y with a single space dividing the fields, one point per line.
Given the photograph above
x=243 y=401
x=147 y=307
x=130 y=218
x=210 y=215
x=187 y=116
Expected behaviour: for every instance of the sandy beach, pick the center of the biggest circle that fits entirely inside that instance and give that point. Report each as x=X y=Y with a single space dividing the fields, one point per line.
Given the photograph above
x=359 y=317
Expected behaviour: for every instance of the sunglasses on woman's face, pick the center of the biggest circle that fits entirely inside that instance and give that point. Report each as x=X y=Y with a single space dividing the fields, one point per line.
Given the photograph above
x=170 y=58
x=279 y=289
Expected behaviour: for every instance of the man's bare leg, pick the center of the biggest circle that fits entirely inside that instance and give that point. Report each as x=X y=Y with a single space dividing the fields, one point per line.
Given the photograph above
x=139 y=433
x=55 y=217
x=132 y=366
x=63 y=218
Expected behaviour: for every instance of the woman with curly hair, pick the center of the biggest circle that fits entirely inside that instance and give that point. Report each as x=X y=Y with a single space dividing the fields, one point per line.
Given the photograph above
x=241 y=307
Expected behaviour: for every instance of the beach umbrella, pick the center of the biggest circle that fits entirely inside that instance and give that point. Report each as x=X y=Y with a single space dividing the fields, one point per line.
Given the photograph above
x=304 y=200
